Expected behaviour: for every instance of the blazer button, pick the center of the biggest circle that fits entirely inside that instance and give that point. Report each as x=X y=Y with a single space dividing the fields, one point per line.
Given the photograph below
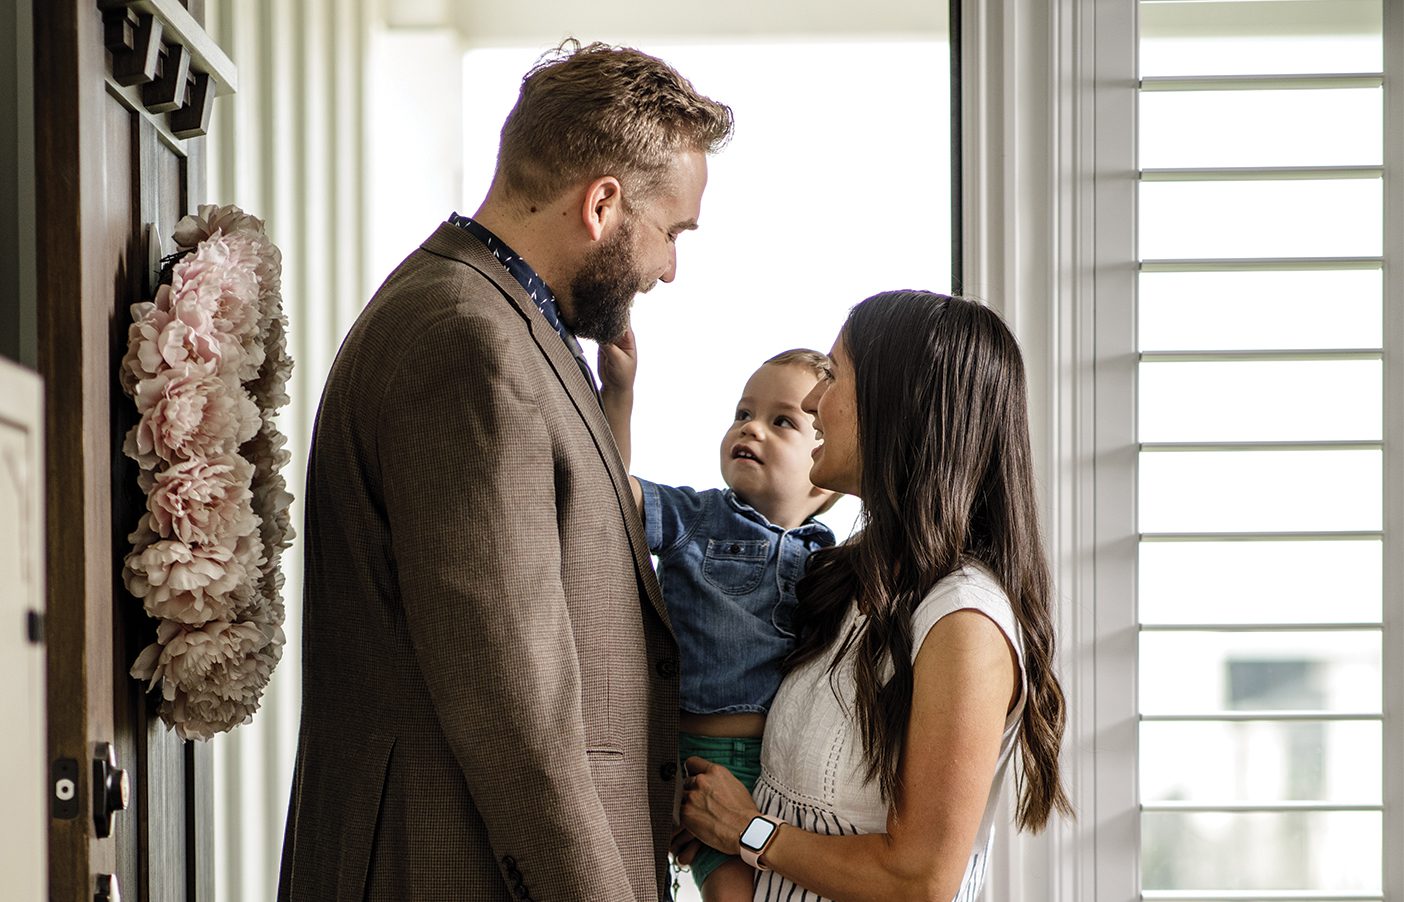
x=668 y=771
x=667 y=668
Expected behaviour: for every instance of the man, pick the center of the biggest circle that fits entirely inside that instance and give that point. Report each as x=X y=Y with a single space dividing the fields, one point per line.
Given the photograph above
x=490 y=680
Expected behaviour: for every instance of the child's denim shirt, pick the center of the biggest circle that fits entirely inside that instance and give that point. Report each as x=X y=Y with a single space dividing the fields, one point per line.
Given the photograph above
x=728 y=576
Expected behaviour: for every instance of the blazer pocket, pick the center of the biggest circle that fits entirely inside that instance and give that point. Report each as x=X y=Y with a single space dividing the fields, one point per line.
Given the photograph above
x=365 y=774
x=735 y=566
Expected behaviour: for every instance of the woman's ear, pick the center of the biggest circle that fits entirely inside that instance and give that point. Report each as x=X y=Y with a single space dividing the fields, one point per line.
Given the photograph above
x=603 y=206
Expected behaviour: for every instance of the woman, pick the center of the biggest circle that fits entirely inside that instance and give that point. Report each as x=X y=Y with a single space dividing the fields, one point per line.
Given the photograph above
x=925 y=653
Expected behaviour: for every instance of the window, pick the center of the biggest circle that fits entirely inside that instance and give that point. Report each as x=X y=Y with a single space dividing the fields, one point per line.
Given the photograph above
x=1261 y=433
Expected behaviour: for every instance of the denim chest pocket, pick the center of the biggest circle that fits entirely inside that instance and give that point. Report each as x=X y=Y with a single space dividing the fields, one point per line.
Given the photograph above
x=735 y=566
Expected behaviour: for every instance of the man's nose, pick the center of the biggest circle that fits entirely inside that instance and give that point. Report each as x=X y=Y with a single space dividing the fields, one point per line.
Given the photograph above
x=672 y=271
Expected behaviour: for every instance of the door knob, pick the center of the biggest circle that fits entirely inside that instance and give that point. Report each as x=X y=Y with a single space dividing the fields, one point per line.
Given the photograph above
x=111 y=789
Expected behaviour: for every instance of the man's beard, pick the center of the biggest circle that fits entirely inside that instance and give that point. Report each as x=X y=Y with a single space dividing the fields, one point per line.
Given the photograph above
x=602 y=292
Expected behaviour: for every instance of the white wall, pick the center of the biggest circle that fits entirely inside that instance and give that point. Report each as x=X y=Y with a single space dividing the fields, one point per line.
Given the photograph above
x=290 y=147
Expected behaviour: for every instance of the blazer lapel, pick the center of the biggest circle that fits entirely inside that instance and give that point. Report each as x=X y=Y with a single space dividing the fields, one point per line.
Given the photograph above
x=451 y=241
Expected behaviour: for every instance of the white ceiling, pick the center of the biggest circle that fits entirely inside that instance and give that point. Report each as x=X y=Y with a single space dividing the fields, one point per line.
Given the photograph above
x=487 y=23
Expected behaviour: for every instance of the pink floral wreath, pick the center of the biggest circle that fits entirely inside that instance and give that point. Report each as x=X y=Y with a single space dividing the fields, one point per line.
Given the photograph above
x=207 y=366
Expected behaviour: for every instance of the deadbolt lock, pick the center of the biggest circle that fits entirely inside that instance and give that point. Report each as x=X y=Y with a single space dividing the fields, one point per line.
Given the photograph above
x=111 y=789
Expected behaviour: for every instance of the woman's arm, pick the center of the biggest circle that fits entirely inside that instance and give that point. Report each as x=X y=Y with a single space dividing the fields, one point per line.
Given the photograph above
x=964 y=684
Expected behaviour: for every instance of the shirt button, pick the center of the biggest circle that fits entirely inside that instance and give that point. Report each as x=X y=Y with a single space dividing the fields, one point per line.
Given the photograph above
x=667 y=668
x=668 y=771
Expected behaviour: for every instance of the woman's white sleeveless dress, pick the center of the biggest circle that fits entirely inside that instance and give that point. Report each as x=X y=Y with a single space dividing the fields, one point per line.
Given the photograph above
x=812 y=754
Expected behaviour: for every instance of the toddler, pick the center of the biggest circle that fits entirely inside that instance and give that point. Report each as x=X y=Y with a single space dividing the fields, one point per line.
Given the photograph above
x=728 y=563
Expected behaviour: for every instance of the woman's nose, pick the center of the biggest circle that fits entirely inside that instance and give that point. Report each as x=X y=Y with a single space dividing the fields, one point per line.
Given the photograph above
x=810 y=404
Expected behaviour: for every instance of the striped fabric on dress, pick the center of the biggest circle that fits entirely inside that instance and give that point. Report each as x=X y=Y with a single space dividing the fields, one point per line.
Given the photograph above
x=771 y=887
x=769 y=798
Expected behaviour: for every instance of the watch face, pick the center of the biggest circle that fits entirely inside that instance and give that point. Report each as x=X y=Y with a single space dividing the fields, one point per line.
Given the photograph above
x=756 y=833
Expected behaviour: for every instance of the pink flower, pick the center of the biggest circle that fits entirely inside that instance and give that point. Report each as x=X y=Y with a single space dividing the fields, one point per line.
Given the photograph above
x=267 y=449
x=211 y=677
x=185 y=583
x=189 y=411
x=192 y=304
x=143 y=358
x=207 y=366
x=191 y=656
x=238 y=311
x=203 y=501
x=270 y=389
x=212 y=218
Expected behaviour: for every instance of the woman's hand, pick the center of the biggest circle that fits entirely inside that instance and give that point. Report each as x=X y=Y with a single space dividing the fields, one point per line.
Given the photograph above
x=716 y=806
x=618 y=362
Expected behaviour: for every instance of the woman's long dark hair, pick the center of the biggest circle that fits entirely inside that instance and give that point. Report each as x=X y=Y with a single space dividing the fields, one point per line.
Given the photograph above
x=947 y=479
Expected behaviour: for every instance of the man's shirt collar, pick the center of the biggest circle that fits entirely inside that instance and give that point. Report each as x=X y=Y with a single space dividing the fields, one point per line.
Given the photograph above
x=535 y=287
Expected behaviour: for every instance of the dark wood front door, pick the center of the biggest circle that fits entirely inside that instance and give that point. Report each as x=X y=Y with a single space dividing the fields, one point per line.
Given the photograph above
x=121 y=99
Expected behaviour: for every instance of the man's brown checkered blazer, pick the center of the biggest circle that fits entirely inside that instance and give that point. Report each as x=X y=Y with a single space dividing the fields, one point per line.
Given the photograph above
x=489 y=678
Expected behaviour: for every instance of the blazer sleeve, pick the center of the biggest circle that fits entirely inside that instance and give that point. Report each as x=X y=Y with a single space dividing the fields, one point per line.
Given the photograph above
x=469 y=488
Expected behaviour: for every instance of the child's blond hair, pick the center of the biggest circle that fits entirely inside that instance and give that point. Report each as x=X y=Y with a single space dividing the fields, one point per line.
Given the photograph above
x=814 y=361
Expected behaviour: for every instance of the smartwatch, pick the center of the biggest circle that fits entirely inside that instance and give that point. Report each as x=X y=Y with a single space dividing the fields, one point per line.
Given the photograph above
x=756 y=838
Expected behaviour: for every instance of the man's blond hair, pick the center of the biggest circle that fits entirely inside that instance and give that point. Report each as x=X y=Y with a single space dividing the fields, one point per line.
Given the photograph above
x=586 y=112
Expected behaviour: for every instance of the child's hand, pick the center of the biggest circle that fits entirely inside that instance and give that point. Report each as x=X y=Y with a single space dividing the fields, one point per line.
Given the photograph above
x=619 y=362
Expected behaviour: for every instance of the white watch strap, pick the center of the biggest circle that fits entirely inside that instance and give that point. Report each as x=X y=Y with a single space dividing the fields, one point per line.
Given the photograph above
x=753 y=858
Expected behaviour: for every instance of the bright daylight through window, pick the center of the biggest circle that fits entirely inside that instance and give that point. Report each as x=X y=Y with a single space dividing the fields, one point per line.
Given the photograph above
x=837 y=185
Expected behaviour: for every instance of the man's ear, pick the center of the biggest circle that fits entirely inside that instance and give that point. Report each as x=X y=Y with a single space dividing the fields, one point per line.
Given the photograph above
x=603 y=206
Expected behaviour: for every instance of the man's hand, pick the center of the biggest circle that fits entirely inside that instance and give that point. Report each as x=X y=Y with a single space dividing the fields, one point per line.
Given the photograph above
x=618 y=362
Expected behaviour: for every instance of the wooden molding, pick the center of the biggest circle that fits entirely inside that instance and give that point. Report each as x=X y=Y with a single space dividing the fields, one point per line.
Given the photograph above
x=193 y=119
x=180 y=27
x=171 y=87
x=160 y=46
x=135 y=42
